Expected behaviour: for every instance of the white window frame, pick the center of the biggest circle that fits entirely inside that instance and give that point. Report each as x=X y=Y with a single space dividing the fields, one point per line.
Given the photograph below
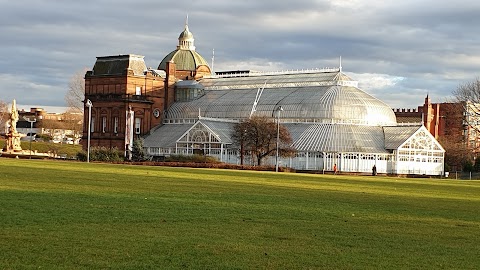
x=115 y=124
x=138 y=90
x=104 y=124
x=138 y=124
x=92 y=124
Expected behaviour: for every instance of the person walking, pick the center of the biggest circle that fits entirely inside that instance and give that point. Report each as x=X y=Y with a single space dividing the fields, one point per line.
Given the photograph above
x=335 y=168
x=374 y=170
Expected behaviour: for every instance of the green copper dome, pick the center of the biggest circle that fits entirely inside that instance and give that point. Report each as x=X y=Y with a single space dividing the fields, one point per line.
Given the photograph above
x=185 y=57
x=184 y=60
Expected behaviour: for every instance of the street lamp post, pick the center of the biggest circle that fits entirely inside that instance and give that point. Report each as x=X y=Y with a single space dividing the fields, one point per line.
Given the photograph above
x=31 y=121
x=278 y=110
x=89 y=105
x=242 y=147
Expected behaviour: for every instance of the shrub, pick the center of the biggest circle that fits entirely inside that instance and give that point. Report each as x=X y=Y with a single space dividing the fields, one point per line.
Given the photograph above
x=138 y=152
x=44 y=137
x=467 y=166
x=191 y=159
x=102 y=154
x=477 y=165
x=214 y=165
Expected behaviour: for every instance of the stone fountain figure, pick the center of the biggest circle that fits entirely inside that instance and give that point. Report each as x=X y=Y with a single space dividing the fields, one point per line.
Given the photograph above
x=12 y=144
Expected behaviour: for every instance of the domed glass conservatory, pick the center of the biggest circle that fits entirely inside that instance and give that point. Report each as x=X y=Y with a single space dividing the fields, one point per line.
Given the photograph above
x=330 y=119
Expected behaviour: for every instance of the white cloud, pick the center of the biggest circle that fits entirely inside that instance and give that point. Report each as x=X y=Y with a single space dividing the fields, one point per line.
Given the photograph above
x=370 y=81
x=25 y=91
x=252 y=64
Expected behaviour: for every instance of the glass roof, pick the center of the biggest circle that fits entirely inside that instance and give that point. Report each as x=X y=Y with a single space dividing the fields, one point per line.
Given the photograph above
x=321 y=97
x=337 y=138
x=307 y=137
x=323 y=111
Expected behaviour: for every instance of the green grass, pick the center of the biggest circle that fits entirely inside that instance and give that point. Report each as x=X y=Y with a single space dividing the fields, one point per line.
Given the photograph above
x=69 y=150
x=71 y=215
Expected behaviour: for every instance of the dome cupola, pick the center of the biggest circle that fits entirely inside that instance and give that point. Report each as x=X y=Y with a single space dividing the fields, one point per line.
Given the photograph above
x=185 y=57
x=186 y=40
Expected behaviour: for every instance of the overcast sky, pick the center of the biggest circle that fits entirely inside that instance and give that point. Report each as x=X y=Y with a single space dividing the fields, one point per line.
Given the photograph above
x=399 y=51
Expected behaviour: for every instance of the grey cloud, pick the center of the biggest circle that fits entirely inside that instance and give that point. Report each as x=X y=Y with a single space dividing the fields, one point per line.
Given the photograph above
x=430 y=43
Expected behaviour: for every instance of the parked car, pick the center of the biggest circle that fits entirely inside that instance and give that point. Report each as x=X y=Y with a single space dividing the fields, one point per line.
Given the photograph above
x=68 y=140
x=30 y=136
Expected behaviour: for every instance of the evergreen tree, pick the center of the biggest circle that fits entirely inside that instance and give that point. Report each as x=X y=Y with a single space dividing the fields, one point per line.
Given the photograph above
x=138 y=152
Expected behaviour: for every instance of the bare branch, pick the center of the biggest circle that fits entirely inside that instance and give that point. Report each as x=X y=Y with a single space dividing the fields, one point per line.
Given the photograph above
x=258 y=135
x=73 y=117
x=469 y=91
x=468 y=95
x=4 y=114
x=76 y=92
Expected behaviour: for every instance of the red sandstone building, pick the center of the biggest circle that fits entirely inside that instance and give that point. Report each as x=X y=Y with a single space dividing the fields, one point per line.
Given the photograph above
x=445 y=121
x=121 y=84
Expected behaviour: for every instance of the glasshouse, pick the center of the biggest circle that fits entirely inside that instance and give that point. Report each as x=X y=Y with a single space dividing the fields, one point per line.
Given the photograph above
x=331 y=122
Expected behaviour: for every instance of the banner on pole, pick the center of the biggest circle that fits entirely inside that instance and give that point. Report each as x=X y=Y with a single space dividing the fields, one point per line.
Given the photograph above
x=129 y=131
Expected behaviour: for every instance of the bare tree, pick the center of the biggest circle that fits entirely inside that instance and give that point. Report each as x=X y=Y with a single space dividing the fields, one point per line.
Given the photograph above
x=4 y=114
x=468 y=95
x=51 y=126
x=456 y=152
x=469 y=91
x=73 y=121
x=258 y=136
x=73 y=117
x=76 y=92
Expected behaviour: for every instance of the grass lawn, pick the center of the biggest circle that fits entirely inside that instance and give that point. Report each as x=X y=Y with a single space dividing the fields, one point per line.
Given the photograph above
x=71 y=215
x=69 y=150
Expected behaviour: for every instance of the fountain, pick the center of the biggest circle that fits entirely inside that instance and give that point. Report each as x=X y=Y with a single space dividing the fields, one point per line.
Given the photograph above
x=13 y=146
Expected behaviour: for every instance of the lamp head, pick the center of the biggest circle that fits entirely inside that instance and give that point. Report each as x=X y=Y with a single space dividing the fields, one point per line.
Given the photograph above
x=31 y=120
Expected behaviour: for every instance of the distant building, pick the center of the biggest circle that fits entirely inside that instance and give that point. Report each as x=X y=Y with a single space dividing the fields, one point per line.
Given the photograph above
x=57 y=125
x=447 y=119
